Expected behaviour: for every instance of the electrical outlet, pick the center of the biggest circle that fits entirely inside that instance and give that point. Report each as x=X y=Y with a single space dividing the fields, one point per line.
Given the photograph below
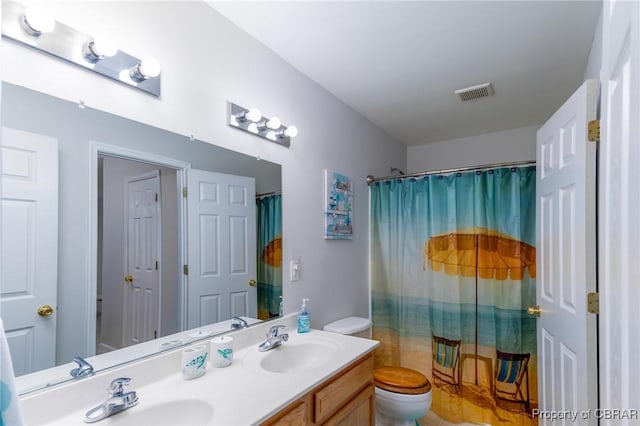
x=294 y=270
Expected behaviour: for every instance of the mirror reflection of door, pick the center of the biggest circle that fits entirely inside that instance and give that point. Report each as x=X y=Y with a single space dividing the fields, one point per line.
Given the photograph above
x=221 y=223
x=29 y=268
x=142 y=251
x=138 y=292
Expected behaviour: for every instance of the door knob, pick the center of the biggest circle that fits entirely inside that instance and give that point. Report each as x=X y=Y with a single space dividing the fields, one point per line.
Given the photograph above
x=534 y=310
x=45 y=310
x=129 y=278
x=252 y=283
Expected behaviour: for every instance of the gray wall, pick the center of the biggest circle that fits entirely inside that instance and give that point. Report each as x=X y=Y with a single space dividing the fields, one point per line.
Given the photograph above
x=499 y=147
x=594 y=64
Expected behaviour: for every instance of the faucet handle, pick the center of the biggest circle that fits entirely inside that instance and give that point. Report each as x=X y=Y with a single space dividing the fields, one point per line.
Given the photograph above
x=116 y=388
x=237 y=322
x=84 y=368
x=273 y=331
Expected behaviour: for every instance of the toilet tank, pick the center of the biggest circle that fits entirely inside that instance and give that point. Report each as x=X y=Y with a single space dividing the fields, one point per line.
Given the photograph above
x=353 y=326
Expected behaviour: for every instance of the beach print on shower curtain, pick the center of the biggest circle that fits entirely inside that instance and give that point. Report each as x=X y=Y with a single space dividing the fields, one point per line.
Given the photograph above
x=453 y=256
x=269 y=229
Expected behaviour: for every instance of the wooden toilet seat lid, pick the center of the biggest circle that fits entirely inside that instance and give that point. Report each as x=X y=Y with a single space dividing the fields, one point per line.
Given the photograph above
x=401 y=380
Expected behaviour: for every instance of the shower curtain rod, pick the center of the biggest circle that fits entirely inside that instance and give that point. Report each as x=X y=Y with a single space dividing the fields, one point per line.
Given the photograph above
x=267 y=194
x=371 y=178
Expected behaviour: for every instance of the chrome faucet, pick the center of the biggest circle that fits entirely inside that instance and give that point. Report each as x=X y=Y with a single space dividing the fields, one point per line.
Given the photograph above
x=237 y=322
x=273 y=339
x=84 y=368
x=118 y=400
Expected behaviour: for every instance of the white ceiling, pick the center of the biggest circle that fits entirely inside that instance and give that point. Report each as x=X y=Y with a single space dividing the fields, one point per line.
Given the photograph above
x=398 y=63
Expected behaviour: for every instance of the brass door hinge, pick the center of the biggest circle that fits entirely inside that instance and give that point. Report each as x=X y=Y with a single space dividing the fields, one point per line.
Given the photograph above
x=593 y=131
x=185 y=269
x=593 y=303
x=184 y=192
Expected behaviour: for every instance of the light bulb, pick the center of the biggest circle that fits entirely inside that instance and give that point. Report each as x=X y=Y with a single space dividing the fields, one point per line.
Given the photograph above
x=99 y=48
x=274 y=123
x=253 y=114
x=253 y=128
x=37 y=21
x=103 y=46
x=149 y=67
x=291 y=131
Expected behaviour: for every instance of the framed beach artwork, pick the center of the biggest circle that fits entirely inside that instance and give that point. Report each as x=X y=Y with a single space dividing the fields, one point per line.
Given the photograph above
x=338 y=206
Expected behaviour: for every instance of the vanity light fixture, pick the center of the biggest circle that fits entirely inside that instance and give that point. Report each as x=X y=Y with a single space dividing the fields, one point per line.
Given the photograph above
x=35 y=28
x=252 y=121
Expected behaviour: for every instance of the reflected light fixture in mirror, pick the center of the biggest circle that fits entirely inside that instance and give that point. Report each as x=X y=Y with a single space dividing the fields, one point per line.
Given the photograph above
x=252 y=121
x=36 y=28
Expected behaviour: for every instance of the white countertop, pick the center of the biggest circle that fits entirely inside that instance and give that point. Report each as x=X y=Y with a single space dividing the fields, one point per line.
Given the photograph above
x=60 y=374
x=240 y=394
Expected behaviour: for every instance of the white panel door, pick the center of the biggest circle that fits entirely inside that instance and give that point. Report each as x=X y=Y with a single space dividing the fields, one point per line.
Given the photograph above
x=142 y=274
x=221 y=229
x=29 y=263
x=565 y=186
x=619 y=210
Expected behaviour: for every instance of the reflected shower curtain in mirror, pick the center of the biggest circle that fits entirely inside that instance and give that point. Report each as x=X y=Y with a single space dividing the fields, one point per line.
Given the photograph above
x=453 y=258
x=269 y=229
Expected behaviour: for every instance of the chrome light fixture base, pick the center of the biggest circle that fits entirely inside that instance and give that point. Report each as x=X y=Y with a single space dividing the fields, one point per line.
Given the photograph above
x=236 y=118
x=69 y=44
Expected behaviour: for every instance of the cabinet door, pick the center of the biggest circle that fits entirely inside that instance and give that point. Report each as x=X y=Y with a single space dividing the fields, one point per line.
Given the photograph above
x=359 y=411
x=331 y=396
x=295 y=415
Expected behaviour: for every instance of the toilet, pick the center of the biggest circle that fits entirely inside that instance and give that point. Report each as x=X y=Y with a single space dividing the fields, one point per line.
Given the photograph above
x=403 y=395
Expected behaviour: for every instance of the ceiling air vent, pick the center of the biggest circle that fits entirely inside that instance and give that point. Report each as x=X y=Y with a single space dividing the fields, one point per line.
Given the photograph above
x=475 y=92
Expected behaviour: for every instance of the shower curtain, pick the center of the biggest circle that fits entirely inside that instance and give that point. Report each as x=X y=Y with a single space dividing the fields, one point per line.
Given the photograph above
x=453 y=256
x=269 y=230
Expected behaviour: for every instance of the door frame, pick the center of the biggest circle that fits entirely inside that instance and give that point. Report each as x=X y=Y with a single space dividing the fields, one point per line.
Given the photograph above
x=97 y=149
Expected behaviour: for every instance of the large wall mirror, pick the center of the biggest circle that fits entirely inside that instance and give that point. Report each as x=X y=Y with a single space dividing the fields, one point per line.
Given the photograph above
x=120 y=239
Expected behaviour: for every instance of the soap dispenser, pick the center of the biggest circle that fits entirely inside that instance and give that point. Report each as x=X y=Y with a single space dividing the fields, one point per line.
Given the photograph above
x=281 y=308
x=304 y=319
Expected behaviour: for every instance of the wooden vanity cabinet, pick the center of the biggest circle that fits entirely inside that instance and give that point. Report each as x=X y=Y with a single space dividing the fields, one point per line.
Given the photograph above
x=347 y=398
x=296 y=413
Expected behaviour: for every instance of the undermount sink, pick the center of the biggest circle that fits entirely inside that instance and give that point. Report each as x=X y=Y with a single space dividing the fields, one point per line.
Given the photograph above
x=178 y=412
x=298 y=355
